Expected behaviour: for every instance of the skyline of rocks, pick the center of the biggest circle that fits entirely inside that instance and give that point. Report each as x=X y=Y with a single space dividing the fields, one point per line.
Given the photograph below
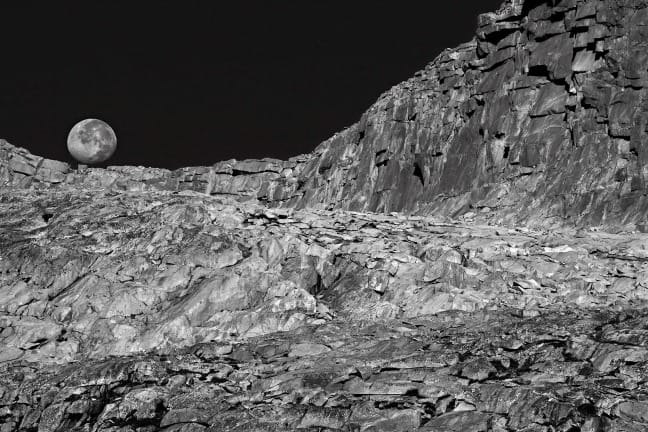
x=470 y=256
x=540 y=119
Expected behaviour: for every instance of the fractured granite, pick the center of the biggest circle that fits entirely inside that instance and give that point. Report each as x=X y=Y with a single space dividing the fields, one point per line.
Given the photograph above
x=155 y=310
x=509 y=293
x=539 y=119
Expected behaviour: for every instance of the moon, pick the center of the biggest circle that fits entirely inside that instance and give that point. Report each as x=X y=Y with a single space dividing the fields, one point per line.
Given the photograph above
x=91 y=141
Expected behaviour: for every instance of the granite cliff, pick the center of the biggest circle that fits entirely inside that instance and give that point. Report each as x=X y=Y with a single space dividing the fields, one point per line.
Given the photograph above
x=464 y=258
x=540 y=119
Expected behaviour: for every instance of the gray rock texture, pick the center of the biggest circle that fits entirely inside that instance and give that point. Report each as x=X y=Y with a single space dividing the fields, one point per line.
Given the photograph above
x=176 y=311
x=509 y=292
x=544 y=110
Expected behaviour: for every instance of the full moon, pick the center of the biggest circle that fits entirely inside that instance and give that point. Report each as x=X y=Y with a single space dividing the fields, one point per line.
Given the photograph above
x=91 y=141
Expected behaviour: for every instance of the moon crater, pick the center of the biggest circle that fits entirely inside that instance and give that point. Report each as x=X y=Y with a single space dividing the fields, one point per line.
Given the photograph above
x=91 y=141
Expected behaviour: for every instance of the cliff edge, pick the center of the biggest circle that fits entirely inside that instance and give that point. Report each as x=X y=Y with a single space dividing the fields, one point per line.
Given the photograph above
x=540 y=119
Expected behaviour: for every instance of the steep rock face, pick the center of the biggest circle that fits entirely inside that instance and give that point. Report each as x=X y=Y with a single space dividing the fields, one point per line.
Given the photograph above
x=541 y=118
x=544 y=111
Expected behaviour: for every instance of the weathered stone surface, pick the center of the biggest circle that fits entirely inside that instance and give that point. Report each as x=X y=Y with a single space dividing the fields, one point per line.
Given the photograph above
x=153 y=309
x=283 y=295
x=539 y=120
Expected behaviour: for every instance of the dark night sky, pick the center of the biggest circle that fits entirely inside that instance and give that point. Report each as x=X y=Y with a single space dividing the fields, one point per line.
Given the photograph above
x=192 y=82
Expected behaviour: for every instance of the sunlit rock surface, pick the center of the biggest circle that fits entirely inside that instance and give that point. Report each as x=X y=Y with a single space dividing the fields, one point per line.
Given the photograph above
x=263 y=295
x=157 y=310
x=541 y=118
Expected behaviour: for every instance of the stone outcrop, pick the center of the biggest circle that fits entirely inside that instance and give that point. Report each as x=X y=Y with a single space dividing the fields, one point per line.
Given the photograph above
x=144 y=310
x=264 y=180
x=509 y=294
x=93 y=273
x=544 y=110
x=542 y=116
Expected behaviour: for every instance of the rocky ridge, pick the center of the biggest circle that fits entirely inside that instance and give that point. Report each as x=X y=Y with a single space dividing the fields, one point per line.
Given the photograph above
x=540 y=119
x=265 y=295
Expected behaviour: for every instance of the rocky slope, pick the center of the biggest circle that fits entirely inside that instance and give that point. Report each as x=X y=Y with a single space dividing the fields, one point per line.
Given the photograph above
x=540 y=119
x=155 y=310
x=266 y=295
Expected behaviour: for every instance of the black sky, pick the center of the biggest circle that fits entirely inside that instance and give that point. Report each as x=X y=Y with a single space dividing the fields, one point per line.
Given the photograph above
x=193 y=82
